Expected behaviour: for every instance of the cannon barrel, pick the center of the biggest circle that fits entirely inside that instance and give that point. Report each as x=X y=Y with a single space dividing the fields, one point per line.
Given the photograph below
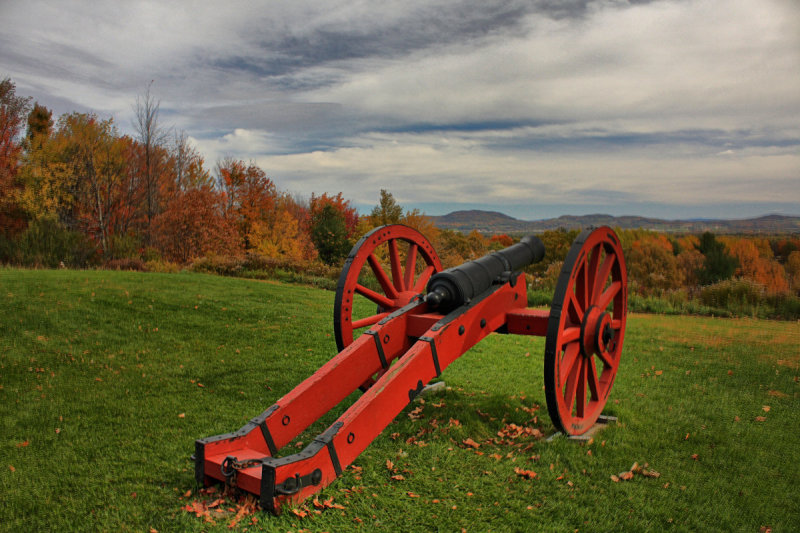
x=456 y=286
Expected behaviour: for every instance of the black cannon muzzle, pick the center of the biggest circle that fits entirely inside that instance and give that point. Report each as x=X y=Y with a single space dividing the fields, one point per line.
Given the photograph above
x=456 y=286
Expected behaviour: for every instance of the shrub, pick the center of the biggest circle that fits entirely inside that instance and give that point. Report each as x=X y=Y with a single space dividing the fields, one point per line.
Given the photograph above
x=135 y=264
x=739 y=296
x=164 y=267
x=47 y=244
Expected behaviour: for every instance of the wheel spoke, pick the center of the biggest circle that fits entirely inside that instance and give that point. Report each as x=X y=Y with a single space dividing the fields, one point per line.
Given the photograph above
x=594 y=382
x=606 y=358
x=602 y=277
x=569 y=391
x=419 y=286
x=411 y=265
x=570 y=334
x=591 y=275
x=580 y=285
x=368 y=321
x=571 y=355
x=609 y=294
x=574 y=308
x=580 y=394
x=394 y=259
x=383 y=279
x=378 y=298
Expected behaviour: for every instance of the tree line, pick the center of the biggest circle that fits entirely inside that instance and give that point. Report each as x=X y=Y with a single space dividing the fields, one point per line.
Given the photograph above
x=78 y=193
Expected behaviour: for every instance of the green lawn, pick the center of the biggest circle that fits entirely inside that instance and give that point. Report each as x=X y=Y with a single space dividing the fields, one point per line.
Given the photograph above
x=107 y=379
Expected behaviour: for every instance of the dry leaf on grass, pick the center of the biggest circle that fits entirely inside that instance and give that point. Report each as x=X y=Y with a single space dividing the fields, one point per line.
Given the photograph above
x=526 y=474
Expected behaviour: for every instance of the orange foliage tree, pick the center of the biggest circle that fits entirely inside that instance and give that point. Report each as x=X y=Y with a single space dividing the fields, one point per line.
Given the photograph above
x=652 y=266
x=756 y=263
x=193 y=225
x=13 y=110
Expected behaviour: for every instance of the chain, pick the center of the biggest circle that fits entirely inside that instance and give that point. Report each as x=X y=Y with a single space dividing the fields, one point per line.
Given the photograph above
x=231 y=465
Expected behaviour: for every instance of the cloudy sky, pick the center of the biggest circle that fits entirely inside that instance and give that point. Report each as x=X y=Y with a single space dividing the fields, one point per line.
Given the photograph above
x=537 y=108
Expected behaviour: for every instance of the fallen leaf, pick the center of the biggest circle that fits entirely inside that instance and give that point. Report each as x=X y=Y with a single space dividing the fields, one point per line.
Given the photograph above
x=626 y=476
x=11 y=467
x=777 y=394
x=187 y=494
x=527 y=474
x=659 y=372
x=761 y=418
x=398 y=477
x=182 y=415
x=614 y=478
x=299 y=513
x=389 y=465
x=471 y=443
x=766 y=408
x=23 y=444
x=412 y=495
x=695 y=457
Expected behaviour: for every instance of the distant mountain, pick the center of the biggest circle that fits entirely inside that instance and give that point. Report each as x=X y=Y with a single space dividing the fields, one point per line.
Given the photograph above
x=494 y=222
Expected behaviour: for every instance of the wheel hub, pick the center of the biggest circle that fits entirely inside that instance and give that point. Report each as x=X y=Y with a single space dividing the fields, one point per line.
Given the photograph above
x=597 y=334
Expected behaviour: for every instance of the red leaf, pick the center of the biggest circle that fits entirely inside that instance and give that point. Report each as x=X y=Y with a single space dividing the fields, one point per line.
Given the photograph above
x=300 y=513
x=23 y=444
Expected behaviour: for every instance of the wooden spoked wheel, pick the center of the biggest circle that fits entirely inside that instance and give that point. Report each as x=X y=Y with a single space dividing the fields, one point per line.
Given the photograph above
x=585 y=331
x=388 y=267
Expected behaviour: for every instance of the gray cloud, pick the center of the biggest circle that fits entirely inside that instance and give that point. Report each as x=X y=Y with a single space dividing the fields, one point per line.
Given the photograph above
x=514 y=103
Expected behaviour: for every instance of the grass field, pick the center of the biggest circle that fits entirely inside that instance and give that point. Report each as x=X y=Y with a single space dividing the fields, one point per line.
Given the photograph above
x=107 y=379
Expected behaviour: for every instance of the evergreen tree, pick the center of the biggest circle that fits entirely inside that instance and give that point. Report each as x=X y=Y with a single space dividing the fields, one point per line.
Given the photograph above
x=717 y=265
x=329 y=234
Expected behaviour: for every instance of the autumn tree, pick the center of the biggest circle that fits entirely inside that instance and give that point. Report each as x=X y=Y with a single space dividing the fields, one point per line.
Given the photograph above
x=250 y=197
x=348 y=212
x=387 y=211
x=187 y=164
x=793 y=270
x=40 y=122
x=13 y=112
x=652 y=265
x=193 y=225
x=282 y=233
x=755 y=262
x=97 y=158
x=152 y=136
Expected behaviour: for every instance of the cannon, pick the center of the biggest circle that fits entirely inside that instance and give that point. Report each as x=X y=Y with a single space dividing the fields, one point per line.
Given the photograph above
x=399 y=320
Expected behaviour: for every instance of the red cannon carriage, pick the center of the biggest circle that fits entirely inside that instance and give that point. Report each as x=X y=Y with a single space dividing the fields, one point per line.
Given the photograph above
x=421 y=319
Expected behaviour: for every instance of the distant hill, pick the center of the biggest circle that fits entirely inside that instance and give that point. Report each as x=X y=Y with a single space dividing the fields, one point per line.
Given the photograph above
x=494 y=222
